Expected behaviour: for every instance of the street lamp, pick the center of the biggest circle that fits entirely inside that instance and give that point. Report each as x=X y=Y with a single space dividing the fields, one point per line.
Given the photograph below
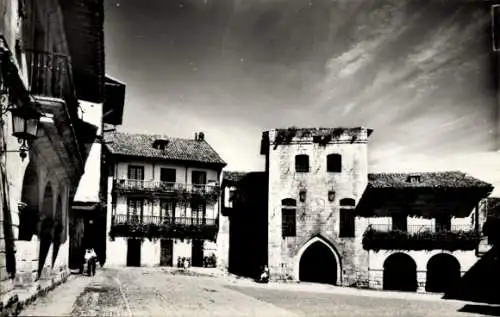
x=25 y=121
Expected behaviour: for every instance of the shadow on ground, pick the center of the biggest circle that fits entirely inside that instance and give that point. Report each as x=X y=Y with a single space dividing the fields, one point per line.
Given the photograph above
x=481 y=309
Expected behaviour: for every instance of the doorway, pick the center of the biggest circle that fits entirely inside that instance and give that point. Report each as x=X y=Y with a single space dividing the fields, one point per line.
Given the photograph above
x=167 y=252
x=197 y=253
x=400 y=273
x=134 y=252
x=318 y=264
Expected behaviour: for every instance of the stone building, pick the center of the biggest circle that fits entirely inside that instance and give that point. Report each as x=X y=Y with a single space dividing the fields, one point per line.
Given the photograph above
x=52 y=58
x=329 y=220
x=163 y=198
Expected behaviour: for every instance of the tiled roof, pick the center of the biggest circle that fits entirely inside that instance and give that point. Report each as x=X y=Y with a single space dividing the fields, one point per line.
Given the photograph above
x=451 y=179
x=233 y=176
x=141 y=145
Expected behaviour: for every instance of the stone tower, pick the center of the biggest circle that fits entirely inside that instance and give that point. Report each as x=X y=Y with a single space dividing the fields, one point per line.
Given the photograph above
x=316 y=177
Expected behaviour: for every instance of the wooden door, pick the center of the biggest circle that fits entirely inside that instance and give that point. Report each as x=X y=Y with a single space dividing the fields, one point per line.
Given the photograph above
x=134 y=252
x=167 y=252
x=197 y=253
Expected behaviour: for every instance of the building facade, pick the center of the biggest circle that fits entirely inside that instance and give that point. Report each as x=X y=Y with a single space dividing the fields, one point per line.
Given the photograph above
x=163 y=201
x=331 y=221
x=44 y=68
x=88 y=211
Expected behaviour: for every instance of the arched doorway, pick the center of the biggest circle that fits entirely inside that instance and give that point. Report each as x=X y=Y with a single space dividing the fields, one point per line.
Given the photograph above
x=318 y=264
x=400 y=273
x=28 y=210
x=443 y=272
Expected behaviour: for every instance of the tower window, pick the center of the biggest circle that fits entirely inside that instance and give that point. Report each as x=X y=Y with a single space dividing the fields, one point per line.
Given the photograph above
x=334 y=163
x=302 y=163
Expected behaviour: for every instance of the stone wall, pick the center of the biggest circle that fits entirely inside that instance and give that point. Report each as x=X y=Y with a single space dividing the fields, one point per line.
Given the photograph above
x=317 y=216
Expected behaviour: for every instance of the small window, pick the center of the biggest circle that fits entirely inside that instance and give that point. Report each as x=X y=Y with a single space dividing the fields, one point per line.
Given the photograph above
x=347 y=202
x=160 y=144
x=413 y=179
x=347 y=223
x=334 y=163
x=289 y=202
x=288 y=222
x=302 y=163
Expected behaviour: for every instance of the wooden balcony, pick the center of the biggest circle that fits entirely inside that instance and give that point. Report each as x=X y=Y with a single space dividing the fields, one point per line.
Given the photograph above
x=156 y=227
x=50 y=75
x=180 y=191
x=420 y=237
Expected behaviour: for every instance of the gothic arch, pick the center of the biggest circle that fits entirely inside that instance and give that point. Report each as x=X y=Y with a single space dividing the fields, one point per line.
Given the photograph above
x=30 y=207
x=317 y=241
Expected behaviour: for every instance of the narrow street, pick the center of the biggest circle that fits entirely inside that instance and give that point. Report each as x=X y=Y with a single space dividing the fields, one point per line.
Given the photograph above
x=153 y=292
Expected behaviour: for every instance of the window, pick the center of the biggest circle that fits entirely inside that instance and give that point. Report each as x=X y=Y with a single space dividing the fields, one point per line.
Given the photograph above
x=135 y=209
x=334 y=163
x=302 y=163
x=199 y=179
x=135 y=175
x=167 y=210
x=160 y=144
x=347 y=223
x=413 y=179
x=168 y=177
x=198 y=212
x=400 y=222
x=347 y=202
x=288 y=217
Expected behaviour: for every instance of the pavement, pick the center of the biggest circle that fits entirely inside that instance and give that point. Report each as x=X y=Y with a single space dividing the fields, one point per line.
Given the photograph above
x=205 y=292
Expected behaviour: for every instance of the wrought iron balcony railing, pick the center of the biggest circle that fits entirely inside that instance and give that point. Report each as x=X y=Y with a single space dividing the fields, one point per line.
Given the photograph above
x=155 y=227
x=421 y=228
x=132 y=185
x=420 y=237
x=158 y=220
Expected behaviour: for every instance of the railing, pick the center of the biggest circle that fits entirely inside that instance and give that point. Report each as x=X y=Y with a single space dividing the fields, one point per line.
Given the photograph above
x=165 y=187
x=147 y=219
x=49 y=74
x=422 y=228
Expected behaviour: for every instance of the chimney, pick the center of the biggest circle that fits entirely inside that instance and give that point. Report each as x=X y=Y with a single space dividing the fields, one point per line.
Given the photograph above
x=201 y=136
x=196 y=136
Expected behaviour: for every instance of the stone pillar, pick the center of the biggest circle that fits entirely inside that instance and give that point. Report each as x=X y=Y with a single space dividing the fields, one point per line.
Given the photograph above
x=26 y=262
x=421 y=279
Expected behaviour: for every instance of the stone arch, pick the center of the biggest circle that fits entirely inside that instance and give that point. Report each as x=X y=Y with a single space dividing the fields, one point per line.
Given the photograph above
x=330 y=257
x=443 y=272
x=400 y=273
x=30 y=203
x=46 y=226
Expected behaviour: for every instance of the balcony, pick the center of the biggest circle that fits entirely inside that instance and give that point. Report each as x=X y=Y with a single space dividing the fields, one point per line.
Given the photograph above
x=420 y=237
x=50 y=75
x=156 y=227
x=180 y=191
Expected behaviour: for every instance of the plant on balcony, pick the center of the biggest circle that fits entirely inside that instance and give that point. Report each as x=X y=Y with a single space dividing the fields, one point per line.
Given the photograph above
x=154 y=231
x=401 y=240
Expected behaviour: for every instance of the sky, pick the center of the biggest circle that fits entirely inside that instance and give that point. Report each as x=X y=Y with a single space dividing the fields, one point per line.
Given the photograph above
x=417 y=72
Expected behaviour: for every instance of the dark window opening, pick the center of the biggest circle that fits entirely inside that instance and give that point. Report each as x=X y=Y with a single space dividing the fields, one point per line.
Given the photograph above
x=288 y=222
x=347 y=223
x=289 y=202
x=334 y=163
x=198 y=212
x=198 y=178
x=413 y=179
x=347 y=202
x=160 y=144
x=302 y=163
x=400 y=222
